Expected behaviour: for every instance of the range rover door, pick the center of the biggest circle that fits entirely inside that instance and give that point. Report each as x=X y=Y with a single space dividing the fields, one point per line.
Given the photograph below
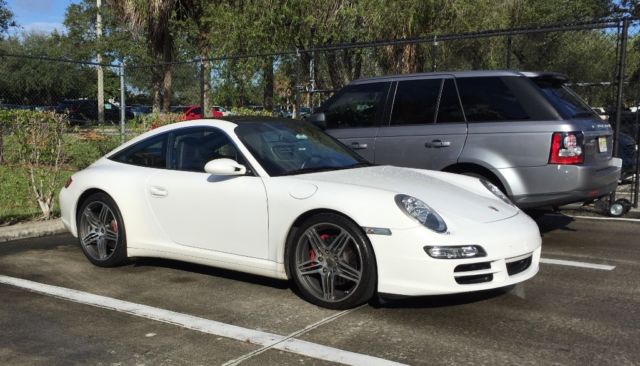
x=426 y=126
x=353 y=115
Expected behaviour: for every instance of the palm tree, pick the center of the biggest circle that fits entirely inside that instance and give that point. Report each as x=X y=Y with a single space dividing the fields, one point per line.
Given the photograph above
x=152 y=18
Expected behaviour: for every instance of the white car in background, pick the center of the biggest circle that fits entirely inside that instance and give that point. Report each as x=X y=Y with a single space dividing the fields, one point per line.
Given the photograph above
x=222 y=110
x=282 y=199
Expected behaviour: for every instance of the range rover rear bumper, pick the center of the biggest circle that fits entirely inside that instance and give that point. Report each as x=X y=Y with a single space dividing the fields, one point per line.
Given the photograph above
x=554 y=185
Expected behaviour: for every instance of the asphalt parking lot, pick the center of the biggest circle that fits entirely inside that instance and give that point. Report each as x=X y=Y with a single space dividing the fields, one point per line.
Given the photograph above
x=582 y=308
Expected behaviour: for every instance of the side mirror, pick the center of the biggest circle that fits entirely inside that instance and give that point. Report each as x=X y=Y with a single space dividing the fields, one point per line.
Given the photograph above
x=319 y=119
x=225 y=167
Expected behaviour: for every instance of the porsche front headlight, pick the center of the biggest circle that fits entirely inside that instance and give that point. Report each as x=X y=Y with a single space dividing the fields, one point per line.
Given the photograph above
x=421 y=212
x=496 y=192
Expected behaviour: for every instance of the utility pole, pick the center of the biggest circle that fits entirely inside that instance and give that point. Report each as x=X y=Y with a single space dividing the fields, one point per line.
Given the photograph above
x=99 y=59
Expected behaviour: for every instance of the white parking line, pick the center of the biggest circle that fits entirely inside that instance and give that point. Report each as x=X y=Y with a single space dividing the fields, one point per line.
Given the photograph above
x=298 y=333
x=561 y=262
x=264 y=339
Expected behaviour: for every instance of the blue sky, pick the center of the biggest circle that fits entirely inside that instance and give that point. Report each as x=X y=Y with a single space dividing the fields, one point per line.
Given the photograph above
x=39 y=15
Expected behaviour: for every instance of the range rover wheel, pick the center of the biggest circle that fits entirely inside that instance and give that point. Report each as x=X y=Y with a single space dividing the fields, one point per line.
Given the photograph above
x=332 y=262
x=101 y=231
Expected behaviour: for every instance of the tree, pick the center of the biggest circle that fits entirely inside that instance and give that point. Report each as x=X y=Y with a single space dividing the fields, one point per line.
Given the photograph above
x=153 y=20
x=6 y=18
x=31 y=81
x=40 y=136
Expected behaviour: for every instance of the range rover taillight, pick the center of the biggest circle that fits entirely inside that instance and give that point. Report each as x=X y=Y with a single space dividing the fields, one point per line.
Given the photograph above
x=567 y=148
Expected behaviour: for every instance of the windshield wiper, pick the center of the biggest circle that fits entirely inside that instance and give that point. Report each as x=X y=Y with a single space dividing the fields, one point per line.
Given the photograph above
x=327 y=168
x=359 y=165
x=313 y=170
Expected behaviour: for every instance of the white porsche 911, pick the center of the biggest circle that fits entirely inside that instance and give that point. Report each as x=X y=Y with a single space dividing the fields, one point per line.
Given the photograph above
x=280 y=198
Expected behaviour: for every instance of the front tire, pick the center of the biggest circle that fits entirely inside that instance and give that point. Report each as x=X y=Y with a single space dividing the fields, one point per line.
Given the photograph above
x=101 y=231
x=332 y=262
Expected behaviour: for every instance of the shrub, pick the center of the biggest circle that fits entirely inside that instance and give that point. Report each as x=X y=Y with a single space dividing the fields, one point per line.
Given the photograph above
x=40 y=136
x=82 y=149
x=243 y=111
x=6 y=117
x=154 y=120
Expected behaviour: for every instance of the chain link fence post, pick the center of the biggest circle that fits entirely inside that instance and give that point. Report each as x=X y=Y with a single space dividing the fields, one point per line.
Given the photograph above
x=508 y=52
x=619 y=94
x=123 y=106
x=202 y=96
x=620 y=87
x=434 y=54
x=297 y=86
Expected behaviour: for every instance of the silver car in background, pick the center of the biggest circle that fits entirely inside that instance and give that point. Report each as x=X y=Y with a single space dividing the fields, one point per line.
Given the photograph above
x=526 y=132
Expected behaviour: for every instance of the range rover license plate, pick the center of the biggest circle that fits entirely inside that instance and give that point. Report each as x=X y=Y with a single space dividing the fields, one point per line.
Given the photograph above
x=602 y=144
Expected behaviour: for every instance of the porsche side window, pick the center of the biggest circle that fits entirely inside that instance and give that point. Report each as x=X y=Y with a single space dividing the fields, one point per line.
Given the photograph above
x=193 y=148
x=356 y=106
x=148 y=153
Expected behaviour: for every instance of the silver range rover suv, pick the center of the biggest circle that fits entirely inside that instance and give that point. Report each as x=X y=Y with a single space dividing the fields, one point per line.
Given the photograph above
x=526 y=132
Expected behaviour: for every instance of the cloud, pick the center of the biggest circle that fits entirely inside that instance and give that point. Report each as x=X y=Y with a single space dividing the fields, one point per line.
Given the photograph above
x=43 y=27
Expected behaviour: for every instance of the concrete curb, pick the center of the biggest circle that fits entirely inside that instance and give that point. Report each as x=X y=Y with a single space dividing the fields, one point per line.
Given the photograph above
x=31 y=230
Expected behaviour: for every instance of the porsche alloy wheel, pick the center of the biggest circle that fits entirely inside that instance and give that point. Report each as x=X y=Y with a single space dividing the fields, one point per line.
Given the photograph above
x=332 y=262
x=101 y=231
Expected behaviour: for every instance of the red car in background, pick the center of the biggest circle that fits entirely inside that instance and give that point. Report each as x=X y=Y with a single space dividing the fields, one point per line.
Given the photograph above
x=195 y=112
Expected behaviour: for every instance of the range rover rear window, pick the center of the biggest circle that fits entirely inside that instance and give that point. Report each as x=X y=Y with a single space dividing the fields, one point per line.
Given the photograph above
x=565 y=100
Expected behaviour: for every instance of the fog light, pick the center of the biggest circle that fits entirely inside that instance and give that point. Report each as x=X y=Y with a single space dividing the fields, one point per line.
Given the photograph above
x=455 y=252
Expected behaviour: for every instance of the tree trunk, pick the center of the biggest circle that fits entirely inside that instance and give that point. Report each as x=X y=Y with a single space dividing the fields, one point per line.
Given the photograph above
x=45 y=207
x=334 y=75
x=203 y=41
x=166 y=88
x=207 y=86
x=167 y=58
x=267 y=70
x=1 y=143
x=156 y=85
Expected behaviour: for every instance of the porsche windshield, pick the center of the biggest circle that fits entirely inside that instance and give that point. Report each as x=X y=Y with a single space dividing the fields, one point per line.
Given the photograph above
x=294 y=147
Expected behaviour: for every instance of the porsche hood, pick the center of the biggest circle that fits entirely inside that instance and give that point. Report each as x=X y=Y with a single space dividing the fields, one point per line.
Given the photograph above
x=449 y=194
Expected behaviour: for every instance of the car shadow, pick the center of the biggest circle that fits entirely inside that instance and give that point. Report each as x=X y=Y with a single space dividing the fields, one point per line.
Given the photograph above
x=437 y=301
x=549 y=220
x=211 y=271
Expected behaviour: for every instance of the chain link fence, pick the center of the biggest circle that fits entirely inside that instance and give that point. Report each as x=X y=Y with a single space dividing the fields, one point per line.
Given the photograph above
x=601 y=58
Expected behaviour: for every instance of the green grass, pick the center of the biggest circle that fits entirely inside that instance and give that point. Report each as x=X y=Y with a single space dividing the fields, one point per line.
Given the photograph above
x=17 y=202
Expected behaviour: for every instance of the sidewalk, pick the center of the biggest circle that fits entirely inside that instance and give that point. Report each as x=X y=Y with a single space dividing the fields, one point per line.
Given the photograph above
x=31 y=229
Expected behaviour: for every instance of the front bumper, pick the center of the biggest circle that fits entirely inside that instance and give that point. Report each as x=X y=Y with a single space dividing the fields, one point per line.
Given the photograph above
x=67 y=210
x=404 y=268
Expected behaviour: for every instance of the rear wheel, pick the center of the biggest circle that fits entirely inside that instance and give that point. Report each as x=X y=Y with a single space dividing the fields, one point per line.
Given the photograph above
x=332 y=262
x=101 y=231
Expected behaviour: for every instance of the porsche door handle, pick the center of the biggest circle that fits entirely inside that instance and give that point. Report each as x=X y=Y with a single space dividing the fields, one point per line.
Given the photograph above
x=158 y=191
x=358 y=146
x=437 y=143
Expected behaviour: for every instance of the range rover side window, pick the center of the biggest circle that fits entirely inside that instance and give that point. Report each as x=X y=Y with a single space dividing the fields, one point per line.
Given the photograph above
x=356 y=106
x=416 y=102
x=149 y=153
x=489 y=99
x=449 y=109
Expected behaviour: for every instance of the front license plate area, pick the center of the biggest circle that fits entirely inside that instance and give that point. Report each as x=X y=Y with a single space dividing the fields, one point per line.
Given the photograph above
x=602 y=144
